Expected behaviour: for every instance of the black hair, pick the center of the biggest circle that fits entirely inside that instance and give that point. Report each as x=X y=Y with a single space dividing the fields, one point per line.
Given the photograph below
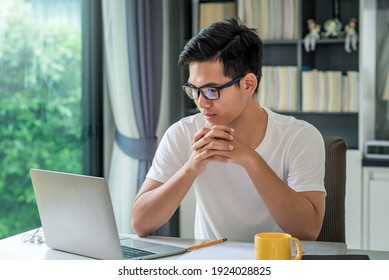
x=237 y=47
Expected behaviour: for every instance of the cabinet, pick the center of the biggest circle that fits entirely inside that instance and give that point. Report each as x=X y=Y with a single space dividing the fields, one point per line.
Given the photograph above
x=375 y=208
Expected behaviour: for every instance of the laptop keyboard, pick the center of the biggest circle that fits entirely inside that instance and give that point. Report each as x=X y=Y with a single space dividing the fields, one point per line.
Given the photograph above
x=130 y=253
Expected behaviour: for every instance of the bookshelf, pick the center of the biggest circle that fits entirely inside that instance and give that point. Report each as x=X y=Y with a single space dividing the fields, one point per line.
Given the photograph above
x=284 y=47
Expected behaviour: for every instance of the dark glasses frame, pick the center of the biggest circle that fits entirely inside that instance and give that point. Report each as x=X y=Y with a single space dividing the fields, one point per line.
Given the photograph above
x=209 y=93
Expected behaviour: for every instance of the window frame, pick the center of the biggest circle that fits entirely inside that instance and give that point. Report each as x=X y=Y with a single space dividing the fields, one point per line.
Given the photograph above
x=92 y=87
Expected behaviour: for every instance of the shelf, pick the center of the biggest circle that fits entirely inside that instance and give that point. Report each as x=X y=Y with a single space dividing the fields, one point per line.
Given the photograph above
x=330 y=41
x=329 y=55
x=280 y=54
x=291 y=42
x=344 y=125
x=215 y=1
x=375 y=162
x=280 y=42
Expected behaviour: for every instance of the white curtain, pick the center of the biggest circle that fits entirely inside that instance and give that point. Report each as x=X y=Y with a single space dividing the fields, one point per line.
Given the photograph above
x=149 y=34
x=123 y=172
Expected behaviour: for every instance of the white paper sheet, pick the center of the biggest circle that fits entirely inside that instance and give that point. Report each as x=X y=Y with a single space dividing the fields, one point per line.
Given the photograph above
x=223 y=251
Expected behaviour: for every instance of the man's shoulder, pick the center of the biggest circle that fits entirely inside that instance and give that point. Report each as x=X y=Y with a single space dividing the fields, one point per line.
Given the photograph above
x=290 y=127
x=289 y=120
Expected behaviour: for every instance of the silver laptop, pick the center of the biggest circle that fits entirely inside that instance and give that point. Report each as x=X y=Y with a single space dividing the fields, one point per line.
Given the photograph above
x=77 y=217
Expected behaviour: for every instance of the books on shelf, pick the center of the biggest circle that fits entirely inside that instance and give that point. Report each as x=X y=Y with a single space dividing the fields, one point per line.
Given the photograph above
x=329 y=91
x=322 y=91
x=211 y=12
x=274 y=19
x=352 y=99
x=278 y=88
x=309 y=87
x=334 y=91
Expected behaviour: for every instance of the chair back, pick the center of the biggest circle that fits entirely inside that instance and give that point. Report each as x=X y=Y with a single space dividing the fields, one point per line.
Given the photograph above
x=333 y=229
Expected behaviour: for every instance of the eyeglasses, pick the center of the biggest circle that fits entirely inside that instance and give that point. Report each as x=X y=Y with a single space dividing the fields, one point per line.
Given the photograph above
x=209 y=93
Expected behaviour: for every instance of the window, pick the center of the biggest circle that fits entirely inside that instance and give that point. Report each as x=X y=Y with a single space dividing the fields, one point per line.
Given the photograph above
x=50 y=99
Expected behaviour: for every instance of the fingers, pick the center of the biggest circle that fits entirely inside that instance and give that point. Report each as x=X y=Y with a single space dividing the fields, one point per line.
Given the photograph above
x=214 y=143
x=216 y=128
x=213 y=155
x=212 y=135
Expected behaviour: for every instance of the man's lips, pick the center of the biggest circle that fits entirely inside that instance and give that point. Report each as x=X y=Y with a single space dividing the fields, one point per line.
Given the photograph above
x=209 y=115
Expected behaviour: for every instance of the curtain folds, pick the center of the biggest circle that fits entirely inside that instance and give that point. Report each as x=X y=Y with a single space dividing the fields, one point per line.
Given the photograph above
x=133 y=68
x=144 y=29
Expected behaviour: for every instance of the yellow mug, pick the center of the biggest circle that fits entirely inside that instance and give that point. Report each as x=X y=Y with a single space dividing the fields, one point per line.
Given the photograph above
x=276 y=246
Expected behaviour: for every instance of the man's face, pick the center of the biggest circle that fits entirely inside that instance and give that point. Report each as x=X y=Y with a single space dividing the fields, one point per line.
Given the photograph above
x=232 y=100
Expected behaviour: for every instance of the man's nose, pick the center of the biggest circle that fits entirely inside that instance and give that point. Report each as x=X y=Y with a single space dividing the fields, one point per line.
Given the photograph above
x=202 y=102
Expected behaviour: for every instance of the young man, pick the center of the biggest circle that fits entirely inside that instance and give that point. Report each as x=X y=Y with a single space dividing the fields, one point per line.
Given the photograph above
x=252 y=170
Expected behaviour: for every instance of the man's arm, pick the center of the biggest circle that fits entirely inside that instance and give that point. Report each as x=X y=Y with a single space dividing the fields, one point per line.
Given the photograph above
x=298 y=213
x=156 y=202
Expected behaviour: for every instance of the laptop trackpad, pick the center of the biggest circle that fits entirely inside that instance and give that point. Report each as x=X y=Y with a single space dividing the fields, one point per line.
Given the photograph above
x=139 y=244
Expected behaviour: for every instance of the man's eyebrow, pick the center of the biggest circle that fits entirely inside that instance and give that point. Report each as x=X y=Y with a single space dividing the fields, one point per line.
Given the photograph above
x=212 y=84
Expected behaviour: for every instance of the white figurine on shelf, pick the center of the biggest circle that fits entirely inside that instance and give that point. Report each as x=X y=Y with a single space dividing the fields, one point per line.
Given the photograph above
x=312 y=36
x=351 y=36
x=332 y=28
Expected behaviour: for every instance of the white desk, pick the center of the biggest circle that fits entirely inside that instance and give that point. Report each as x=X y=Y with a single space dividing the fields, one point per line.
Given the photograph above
x=12 y=248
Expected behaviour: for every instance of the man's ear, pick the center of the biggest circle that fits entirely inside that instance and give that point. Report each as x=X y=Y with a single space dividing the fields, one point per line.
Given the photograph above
x=250 y=83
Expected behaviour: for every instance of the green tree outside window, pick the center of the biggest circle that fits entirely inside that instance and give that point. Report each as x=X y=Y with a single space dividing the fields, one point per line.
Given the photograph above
x=40 y=109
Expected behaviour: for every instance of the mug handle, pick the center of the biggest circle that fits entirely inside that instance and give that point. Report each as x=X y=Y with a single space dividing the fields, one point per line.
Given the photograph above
x=299 y=249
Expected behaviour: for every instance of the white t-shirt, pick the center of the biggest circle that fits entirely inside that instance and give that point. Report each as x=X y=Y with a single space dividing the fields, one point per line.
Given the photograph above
x=227 y=204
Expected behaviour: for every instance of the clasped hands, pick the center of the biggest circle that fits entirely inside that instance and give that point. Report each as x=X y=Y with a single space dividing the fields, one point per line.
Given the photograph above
x=218 y=144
